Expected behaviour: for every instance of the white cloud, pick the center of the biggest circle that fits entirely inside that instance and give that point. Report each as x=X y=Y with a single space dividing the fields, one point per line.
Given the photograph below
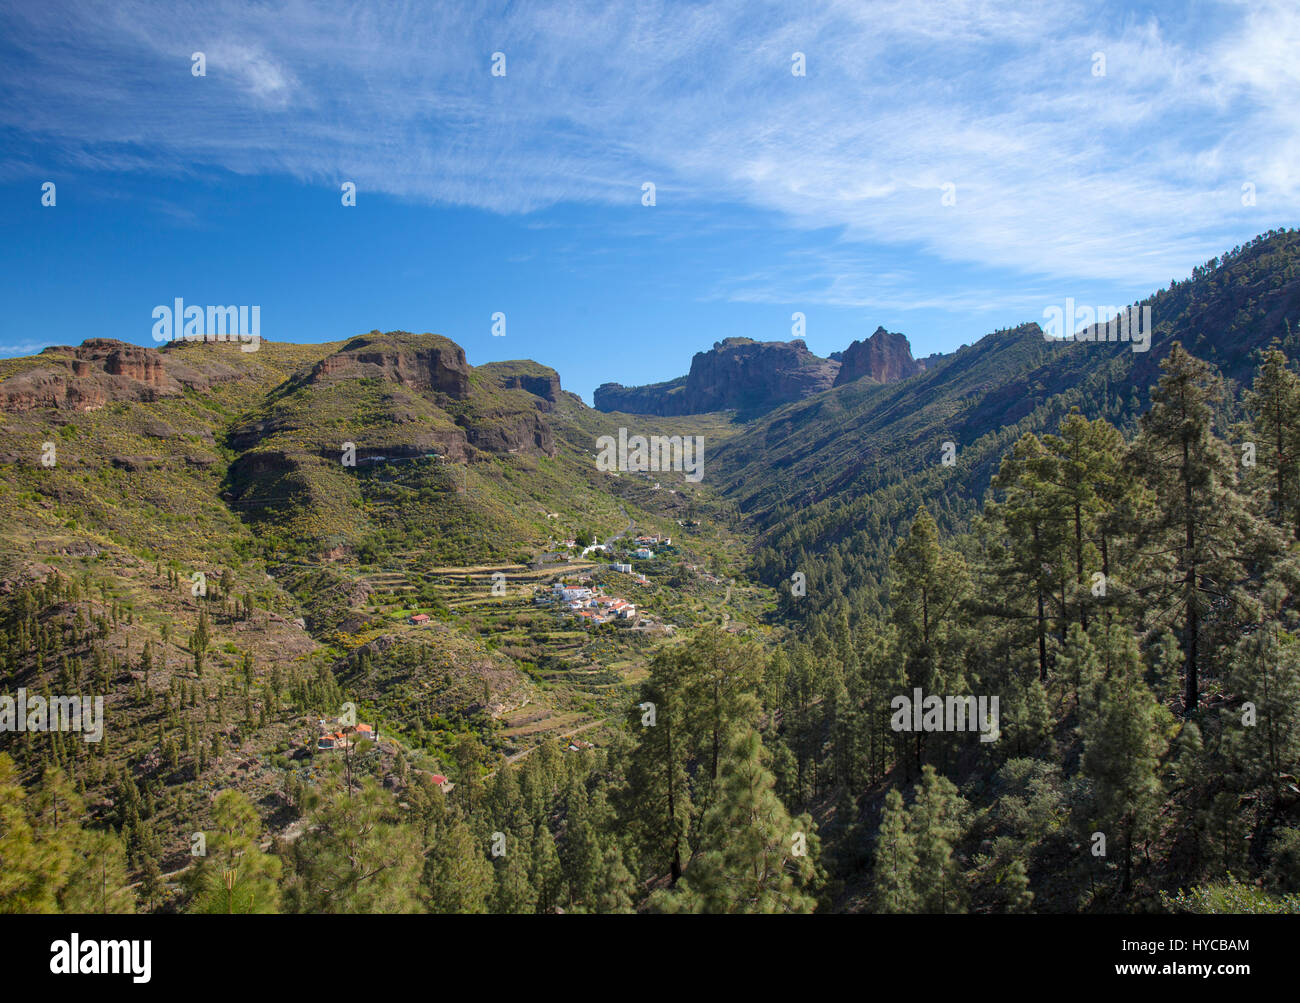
x=1131 y=177
x=24 y=348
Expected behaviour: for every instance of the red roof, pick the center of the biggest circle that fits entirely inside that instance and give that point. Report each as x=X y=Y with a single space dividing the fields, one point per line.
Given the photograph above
x=439 y=779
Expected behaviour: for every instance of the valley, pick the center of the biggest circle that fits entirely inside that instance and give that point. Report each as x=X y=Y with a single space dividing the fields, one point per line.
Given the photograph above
x=604 y=665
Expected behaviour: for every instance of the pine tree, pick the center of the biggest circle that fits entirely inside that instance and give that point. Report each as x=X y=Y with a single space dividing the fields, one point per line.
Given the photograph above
x=936 y=822
x=1201 y=528
x=1093 y=491
x=1014 y=882
x=615 y=888
x=353 y=857
x=152 y=887
x=580 y=853
x=504 y=803
x=1033 y=560
x=928 y=585
x=1124 y=730
x=235 y=876
x=512 y=891
x=805 y=720
x=32 y=871
x=1078 y=661
x=458 y=873
x=56 y=804
x=1263 y=741
x=756 y=858
x=1274 y=400
x=545 y=873
x=658 y=801
x=1283 y=874
x=1184 y=785
x=895 y=865
x=724 y=671
x=469 y=755
x=97 y=879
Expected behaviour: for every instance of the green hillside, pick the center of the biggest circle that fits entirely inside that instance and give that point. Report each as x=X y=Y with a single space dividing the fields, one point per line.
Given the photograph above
x=228 y=471
x=362 y=614
x=839 y=476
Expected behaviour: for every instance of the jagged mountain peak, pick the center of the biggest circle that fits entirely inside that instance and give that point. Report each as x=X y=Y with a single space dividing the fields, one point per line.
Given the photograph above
x=886 y=357
x=735 y=374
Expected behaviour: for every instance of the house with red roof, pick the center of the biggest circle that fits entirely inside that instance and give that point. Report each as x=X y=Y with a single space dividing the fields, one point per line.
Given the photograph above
x=335 y=735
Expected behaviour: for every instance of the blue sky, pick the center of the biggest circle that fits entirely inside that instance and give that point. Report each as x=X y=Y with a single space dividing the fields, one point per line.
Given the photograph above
x=522 y=193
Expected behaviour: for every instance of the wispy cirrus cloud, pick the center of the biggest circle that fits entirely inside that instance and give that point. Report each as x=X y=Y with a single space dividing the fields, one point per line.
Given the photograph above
x=1058 y=173
x=23 y=347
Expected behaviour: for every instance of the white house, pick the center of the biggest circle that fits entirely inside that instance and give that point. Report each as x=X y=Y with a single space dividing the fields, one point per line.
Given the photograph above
x=625 y=568
x=644 y=553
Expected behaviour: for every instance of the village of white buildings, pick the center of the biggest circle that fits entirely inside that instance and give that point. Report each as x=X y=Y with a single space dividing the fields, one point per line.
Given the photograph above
x=590 y=602
x=589 y=596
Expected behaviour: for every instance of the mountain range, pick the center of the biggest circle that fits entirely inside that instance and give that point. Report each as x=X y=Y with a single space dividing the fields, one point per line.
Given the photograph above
x=268 y=522
x=752 y=377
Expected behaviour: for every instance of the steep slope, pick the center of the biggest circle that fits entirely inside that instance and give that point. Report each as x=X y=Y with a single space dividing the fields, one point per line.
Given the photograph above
x=841 y=473
x=393 y=443
x=183 y=537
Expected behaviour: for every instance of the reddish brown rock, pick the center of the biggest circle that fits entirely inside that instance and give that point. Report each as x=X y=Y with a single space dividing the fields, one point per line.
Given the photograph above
x=737 y=373
x=85 y=377
x=421 y=362
x=886 y=357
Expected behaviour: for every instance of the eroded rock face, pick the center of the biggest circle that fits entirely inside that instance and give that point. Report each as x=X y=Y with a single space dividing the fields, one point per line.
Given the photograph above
x=547 y=388
x=886 y=357
x=518 y=432
x=144 y=365
x=736 y=373
x=749 y=375
x=654 y=398
x=423 y=363
x=40 y=388
x=87 y=376
x=542 y=382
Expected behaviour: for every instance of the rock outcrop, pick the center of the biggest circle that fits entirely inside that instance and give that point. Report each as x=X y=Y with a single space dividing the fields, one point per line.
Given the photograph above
x=510 y=432
x=886 y=357
x=755 y=375
x=397 y=397
x=85 y=377
x=737 y=373
x=523 y=374
x=654 y=398
x=424 y=363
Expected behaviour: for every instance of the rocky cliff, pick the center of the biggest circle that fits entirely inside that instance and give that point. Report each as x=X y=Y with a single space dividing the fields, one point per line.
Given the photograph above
x=426 y=362
x=886 y=357
x=524 y=374
x=402 y=395
x=665 y=398
x=737 y=373
x=85 y=377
